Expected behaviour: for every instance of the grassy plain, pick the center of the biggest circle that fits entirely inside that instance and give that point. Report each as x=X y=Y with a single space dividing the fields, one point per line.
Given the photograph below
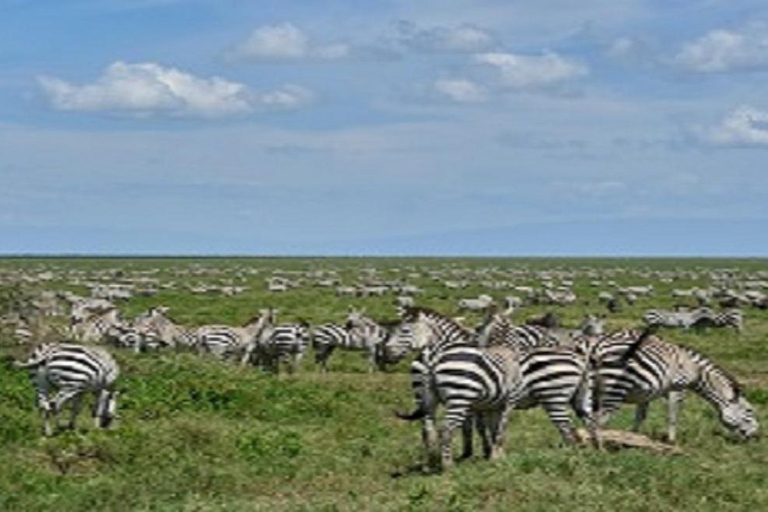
x=198 y=434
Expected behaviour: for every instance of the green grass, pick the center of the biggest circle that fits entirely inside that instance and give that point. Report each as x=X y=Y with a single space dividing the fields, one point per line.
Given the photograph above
x=198 y=434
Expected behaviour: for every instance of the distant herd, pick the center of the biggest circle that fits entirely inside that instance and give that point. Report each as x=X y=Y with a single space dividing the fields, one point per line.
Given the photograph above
x=478 y=374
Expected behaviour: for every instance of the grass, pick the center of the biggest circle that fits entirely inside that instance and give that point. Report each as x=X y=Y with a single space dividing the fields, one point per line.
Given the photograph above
x=197 y=434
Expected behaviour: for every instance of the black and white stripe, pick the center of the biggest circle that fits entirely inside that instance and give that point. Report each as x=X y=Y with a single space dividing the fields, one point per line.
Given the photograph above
x=486 y=384
x=637 y=369
x=286 y=342
x=73 y=370
x=225 y=341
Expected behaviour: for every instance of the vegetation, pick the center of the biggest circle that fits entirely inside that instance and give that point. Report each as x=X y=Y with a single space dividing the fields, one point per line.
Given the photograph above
x=198 y=434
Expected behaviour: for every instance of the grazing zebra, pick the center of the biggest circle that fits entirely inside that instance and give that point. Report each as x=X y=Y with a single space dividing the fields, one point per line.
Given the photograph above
x=485 y=384
x=156 y=325
x=73 y=370
x=325 y=339
x=654 y=368
x=97 y=326
x=224 y=341
x=281 y=342
x=730 y=318
x=683 y=319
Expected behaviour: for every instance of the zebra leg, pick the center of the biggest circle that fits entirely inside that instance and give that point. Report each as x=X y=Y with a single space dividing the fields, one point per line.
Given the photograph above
x=466 y=430
x=44 y=404
x=481 y=423
x=372 y=359
x=247 y=353
x=429 y=437
x=77 y=403
x=62 y=397
x=640 y=414
x=454 y=417
x=322 y=354
x=296 y=362
x=674 y=399
x=558 y=414
x=498 y=425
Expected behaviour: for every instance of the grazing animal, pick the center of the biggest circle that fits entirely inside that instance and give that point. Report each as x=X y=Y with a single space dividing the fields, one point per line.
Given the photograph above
x=277 y=343
x=73 y=370
x=730 y=318
x=632 y=368
x=155 y=324
x=224 y=341
x=97 y=326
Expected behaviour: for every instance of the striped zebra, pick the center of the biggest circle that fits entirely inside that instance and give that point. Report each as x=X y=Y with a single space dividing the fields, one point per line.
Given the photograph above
x=155 y=325
x=326 y=339
x=485 y=384
x=653 y=368
x=368 y=337
x=73 y=370
x=224 y=341
x=282 y=342
x=729 y=318
x=498 y=330
x=97 y=326
x=675 y=319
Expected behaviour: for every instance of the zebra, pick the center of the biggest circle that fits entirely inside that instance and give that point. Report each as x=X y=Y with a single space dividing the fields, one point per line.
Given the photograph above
x=224 y=340
x=730 y=318
x=73 y=370
x=652 y=368
x=683 y=319
x=498 y=330
x=156 y=325
x=485 y=384
x=97 y=326
x=279 y=342
x=325 y=339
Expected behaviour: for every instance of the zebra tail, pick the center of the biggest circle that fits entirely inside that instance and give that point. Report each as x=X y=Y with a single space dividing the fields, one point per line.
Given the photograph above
x=632 y=350
x=418 y=414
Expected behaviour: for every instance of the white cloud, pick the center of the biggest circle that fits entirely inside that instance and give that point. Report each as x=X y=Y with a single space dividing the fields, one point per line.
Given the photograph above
x=744 y=126
x=531 y=72
x=287 y=42
x=460 y=90
x=149 y=89
x=461 y=38
x=721 y=51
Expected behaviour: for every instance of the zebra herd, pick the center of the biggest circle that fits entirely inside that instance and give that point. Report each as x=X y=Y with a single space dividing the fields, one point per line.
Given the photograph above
x=479 y=375
x=480 y=380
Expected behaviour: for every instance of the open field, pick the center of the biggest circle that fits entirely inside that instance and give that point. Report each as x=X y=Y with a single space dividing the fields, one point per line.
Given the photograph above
x=200 y=434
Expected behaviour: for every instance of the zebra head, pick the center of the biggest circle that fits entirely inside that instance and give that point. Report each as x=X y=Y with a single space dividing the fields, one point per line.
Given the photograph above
x=592 y=325
x=739 y=417
x=105 y=410
x=356 y=318
x=398 y=344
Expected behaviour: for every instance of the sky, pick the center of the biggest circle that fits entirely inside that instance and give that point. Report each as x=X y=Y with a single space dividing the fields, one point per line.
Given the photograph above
x=398 y=127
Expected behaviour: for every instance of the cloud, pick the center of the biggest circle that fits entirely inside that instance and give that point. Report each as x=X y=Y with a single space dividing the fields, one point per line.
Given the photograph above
x=286 y=42
x=723 y=51
x=744 y=126
x=147 y=89
x=460 y=90
x=464 y=38
x=520 y=72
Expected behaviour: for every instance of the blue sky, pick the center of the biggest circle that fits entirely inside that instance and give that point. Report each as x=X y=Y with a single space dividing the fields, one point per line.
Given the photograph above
x=384 y=127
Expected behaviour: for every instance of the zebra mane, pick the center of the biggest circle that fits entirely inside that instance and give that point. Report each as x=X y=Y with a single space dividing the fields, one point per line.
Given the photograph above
x=738 y=389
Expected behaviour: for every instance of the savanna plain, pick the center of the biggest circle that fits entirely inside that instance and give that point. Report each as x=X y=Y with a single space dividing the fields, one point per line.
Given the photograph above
x=197 y=433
